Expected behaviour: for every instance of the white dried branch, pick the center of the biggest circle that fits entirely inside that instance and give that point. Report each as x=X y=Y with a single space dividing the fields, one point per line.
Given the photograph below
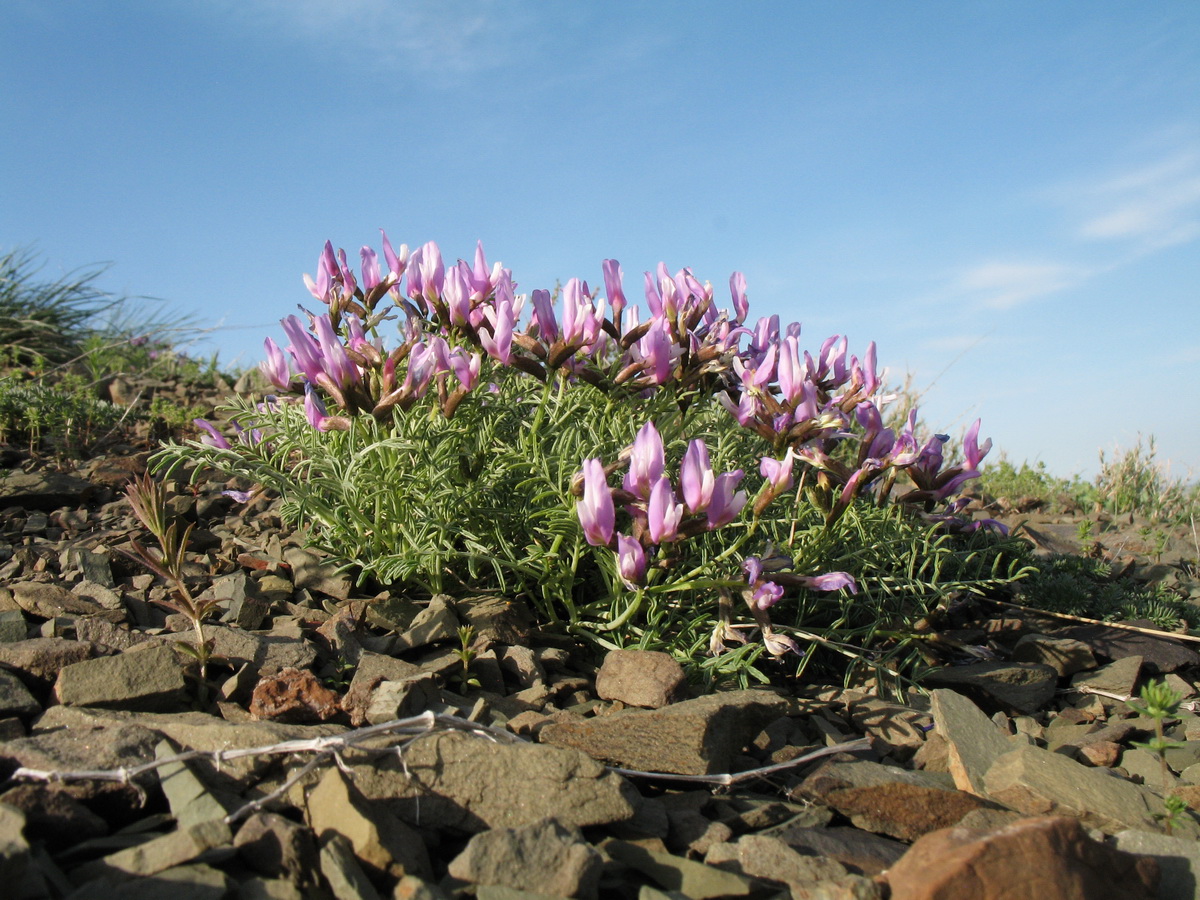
x=408 y=729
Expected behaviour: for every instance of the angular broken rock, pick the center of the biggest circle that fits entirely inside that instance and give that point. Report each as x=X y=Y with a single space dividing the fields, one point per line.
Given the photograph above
x=382 y=843
x=646 y=678
x=436 y=622
x=456 y=782
x=1050 y=858
x=695 y=737
x=1024 y=687
x=46 y=600
x=1066 y=655
x=276 y=846
x=44 y=491
x=267 y=653
x=973 y=740
x=1038 y=782
x=888 y=800
x=37 y=661
x=15 y=699
x=545 y=857
x=151 y=679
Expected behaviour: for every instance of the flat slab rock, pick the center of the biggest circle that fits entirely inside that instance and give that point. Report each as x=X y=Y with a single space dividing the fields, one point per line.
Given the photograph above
x=453 y=781
x=695 y=737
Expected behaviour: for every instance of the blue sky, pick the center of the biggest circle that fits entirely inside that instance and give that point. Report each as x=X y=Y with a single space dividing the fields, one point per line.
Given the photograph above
x=1005 y=196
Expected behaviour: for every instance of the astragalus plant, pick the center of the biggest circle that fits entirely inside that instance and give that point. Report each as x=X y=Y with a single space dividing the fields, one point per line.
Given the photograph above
x=673 y=476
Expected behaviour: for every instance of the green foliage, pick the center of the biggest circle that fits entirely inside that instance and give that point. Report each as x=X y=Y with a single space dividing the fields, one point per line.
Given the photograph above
x=45 y=322
x=1160 y=702
x=1003 y=480
x=67 y=419
x=1134 y=482
x=485 y=501
x=1084 y=586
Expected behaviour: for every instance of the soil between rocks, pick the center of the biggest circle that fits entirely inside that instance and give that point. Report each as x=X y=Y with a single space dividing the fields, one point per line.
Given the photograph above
x=518 y=781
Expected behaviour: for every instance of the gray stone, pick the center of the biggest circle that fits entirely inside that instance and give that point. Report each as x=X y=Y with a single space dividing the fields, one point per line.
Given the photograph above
x=102 y=596
x=52 y=815
x=436 y=622
x=37 y=661
x=191 y=800
x=255 y=888
x=763 y=856
x=268 y=653
x=14 y=849
x=399 y=699
x=13 y=626
x=695 y=737
x=496 y=619
x=1178 y=861
x=158 y=854
x=43 y=491
x=1116 y=678
x=195 y=881
x=861 y=852
x=896 y=730
x=151 y=679
x=1024 y=687
x=1159 y=655
x=46 y=600
x=382 y=843
x=452 y=781
x=277 y=846
x=1065 y=655
x=674 y=873
x=522 y=665
x=342 y=871
x=311 y=572
x=546 y=857
x=15 y=699
x=973 y=740
x=646 y=678
x=1041 y=783
x=190 y=731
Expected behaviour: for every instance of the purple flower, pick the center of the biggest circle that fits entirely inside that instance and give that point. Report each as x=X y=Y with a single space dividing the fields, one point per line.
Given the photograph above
x=426 y=274
x=314 y=409
x=543 y=317
x=212 y=437
x=696 y=479
x=596 y=512
x=396 y=263
x=631 y=560
x=725 y=503
x=663 y=512
x=780 y=645
x=645 y=462
x=778 y=471
x=766 y=594
x=498 y=343
x=737 y=287
x=304 y=348
x=752 y=566
x=238 y=496
x=830 y=581
x=657 y=351
x=465 y=367
x=971 y=449
x=335 y=363
x=612 y=286
x=275 y=367
x=370 y=268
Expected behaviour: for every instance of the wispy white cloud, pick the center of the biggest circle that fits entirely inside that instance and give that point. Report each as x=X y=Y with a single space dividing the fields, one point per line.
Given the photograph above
x=1004 y=285
x=439 y=38
x=1151 y=206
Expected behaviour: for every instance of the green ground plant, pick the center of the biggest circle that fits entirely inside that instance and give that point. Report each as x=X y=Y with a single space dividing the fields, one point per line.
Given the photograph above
x=1086 y=586
x=65 y=418
x=1134 y=481
x=685 y=480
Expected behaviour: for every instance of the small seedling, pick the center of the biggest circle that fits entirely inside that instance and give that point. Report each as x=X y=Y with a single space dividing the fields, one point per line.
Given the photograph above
x=149 y=501
x=466 y=655
x=1160 y=702
x=1085 y=531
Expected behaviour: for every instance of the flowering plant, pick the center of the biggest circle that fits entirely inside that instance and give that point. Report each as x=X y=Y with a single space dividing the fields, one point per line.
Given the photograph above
x=631 y=473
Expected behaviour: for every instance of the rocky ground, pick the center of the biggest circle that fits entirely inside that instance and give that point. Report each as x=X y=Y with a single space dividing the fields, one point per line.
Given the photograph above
x=341 y=748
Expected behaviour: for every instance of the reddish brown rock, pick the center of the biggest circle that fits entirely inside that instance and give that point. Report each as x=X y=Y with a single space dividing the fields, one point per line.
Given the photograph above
x=1047 y=858
x=293 y=695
